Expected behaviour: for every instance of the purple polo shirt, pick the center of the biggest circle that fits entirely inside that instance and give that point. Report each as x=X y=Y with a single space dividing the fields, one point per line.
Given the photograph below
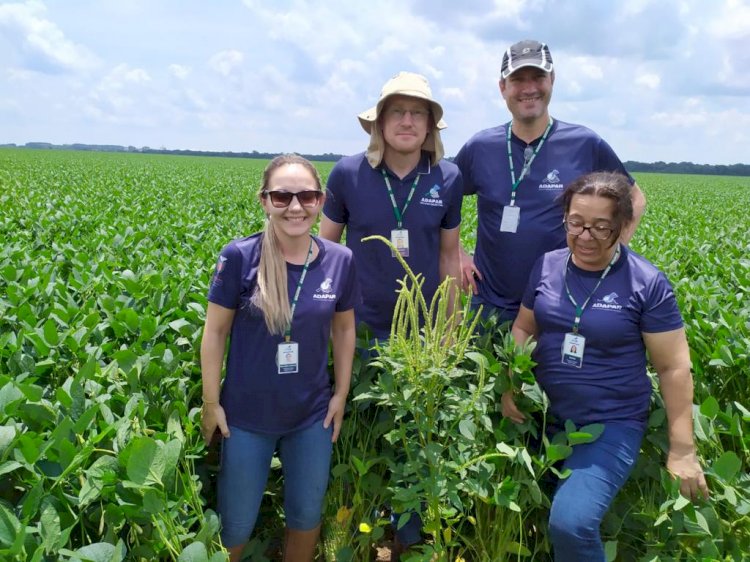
x=254 y=395
x=612 y=384
x=357 y=197
x=505 y=259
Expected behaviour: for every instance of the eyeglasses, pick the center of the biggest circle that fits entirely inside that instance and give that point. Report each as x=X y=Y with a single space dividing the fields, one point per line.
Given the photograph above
x=281 y=199
x=598 y=231
x=398 y=113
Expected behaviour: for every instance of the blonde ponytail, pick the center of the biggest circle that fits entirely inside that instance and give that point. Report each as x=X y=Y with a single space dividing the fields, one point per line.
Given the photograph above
x=271 y=295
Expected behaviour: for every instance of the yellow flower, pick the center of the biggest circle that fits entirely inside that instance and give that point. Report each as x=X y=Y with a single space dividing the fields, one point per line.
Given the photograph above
x=460 y=559
x=365 y=528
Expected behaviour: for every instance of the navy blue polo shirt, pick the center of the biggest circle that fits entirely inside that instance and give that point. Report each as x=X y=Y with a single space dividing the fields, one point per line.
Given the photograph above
x=505 y=259
x=611 y=385
x=357 y=197
x=254 y=395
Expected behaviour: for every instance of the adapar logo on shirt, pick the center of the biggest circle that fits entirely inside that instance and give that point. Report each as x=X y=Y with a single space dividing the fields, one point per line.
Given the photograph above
x=433 y=197
x=608 y=302
x=551 y=181
x=324 y=292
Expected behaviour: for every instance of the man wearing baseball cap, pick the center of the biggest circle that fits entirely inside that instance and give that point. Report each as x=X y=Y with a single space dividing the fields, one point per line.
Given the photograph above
x=517 y=170
x=401 y=189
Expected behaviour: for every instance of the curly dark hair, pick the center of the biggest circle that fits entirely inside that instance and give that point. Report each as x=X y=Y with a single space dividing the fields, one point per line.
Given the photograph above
x=611 y=185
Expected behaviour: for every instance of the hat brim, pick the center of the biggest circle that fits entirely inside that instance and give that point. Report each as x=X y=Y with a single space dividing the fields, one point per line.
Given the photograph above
x=535 y=64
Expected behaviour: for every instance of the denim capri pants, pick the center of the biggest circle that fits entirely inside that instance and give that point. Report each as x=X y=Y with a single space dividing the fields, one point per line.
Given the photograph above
x=246 y=461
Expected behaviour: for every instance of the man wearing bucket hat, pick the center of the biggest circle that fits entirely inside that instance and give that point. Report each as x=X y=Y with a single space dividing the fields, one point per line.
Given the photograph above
x=517 y=171
x=399 y=188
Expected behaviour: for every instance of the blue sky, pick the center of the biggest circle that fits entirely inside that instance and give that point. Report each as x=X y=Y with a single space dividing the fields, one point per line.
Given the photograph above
x=659 y=80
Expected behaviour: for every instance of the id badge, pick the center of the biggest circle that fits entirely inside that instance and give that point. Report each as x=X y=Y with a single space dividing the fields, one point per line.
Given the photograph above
x=572 y=350
x=400 y=239
x=511 y=218
x=287 y=357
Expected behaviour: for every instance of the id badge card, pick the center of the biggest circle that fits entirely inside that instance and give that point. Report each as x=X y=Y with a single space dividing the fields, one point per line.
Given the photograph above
x=572 y=350
x=511 y=218
x=400 y=239
x=287 y=357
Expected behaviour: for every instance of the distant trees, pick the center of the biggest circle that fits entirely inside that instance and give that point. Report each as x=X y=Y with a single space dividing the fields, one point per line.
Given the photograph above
x=689 y=168
x=631 y=166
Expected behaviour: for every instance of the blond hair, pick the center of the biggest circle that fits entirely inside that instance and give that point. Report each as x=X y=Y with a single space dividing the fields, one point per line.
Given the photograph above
x=271 y=294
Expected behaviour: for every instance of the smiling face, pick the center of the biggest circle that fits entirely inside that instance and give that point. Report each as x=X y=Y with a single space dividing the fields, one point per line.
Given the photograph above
x=590 y=253
x=295 y=220
x=527 y=93
x=405 y=122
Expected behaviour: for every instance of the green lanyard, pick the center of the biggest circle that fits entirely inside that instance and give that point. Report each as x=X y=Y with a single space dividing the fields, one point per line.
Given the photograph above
x=288 y=332
x=399 y=214
x=527 y=163
x=579 y=309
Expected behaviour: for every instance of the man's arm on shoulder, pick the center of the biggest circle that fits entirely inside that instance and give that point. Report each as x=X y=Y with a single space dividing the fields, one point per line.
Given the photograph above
x=639 y=207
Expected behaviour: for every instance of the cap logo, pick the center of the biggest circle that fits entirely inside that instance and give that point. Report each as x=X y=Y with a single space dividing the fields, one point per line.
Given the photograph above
x=526 y=50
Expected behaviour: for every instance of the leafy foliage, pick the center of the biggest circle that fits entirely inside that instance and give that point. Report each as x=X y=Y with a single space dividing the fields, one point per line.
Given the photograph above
x=104 y=267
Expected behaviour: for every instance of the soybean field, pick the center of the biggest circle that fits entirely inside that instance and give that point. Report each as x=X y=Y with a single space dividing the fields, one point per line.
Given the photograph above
x=104 y=268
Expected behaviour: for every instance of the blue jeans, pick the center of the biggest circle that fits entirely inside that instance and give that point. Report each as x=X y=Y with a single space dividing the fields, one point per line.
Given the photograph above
x=581 y=500
x=246 y=461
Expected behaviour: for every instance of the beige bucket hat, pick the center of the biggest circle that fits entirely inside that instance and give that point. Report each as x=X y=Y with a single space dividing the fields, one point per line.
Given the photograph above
x=403 y=84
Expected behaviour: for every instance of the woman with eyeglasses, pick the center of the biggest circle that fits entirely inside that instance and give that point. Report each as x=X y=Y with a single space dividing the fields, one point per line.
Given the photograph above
x=596 y=309
x=279 y=296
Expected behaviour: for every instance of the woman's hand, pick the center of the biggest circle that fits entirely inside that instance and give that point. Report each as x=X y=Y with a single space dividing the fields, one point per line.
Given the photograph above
x=469 y=273
x=686 y=467
x=335 y=414
x=509 y=408
x=213 y=416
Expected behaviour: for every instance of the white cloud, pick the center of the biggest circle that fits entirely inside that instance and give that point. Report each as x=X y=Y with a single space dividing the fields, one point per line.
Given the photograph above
x=43 y=44
x=648 y=80
x=226 y=61
x=180 y=71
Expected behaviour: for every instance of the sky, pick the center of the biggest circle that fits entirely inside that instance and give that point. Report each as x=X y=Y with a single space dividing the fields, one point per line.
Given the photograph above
x=661 y=80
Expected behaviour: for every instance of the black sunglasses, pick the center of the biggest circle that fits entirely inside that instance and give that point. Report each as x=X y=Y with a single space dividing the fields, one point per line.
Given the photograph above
x=281 y=199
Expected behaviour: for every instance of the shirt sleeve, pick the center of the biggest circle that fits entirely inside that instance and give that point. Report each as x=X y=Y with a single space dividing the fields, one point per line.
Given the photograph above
x=226 y=283
x=452 y=217
x=660 y=310
x=464 y=161
x=608 y=161
x=335 y=207
x=351 y=294
x=529 y=295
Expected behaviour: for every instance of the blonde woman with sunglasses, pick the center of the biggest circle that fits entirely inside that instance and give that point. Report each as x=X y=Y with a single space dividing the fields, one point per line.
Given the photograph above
x=278 y=297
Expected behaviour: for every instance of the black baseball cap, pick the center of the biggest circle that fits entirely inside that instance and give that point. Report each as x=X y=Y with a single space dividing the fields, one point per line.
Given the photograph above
x=526 y=53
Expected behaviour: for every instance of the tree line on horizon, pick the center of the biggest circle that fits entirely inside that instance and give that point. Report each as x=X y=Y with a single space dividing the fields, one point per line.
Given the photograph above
x=630 y=165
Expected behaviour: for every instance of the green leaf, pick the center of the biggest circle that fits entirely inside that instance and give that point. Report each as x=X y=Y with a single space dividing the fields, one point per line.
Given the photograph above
x=558 y=452
x=727 y=466
x=51 y=335
x=610 y=550
x=467 y=428
x=97 y=552
x=49 y=528
x=710 y=407
x=143 y=453
x=9 y=526
x=101 y=470
x=681 y=502
x=194 y=552
x=7 y=434
x=515 y=549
